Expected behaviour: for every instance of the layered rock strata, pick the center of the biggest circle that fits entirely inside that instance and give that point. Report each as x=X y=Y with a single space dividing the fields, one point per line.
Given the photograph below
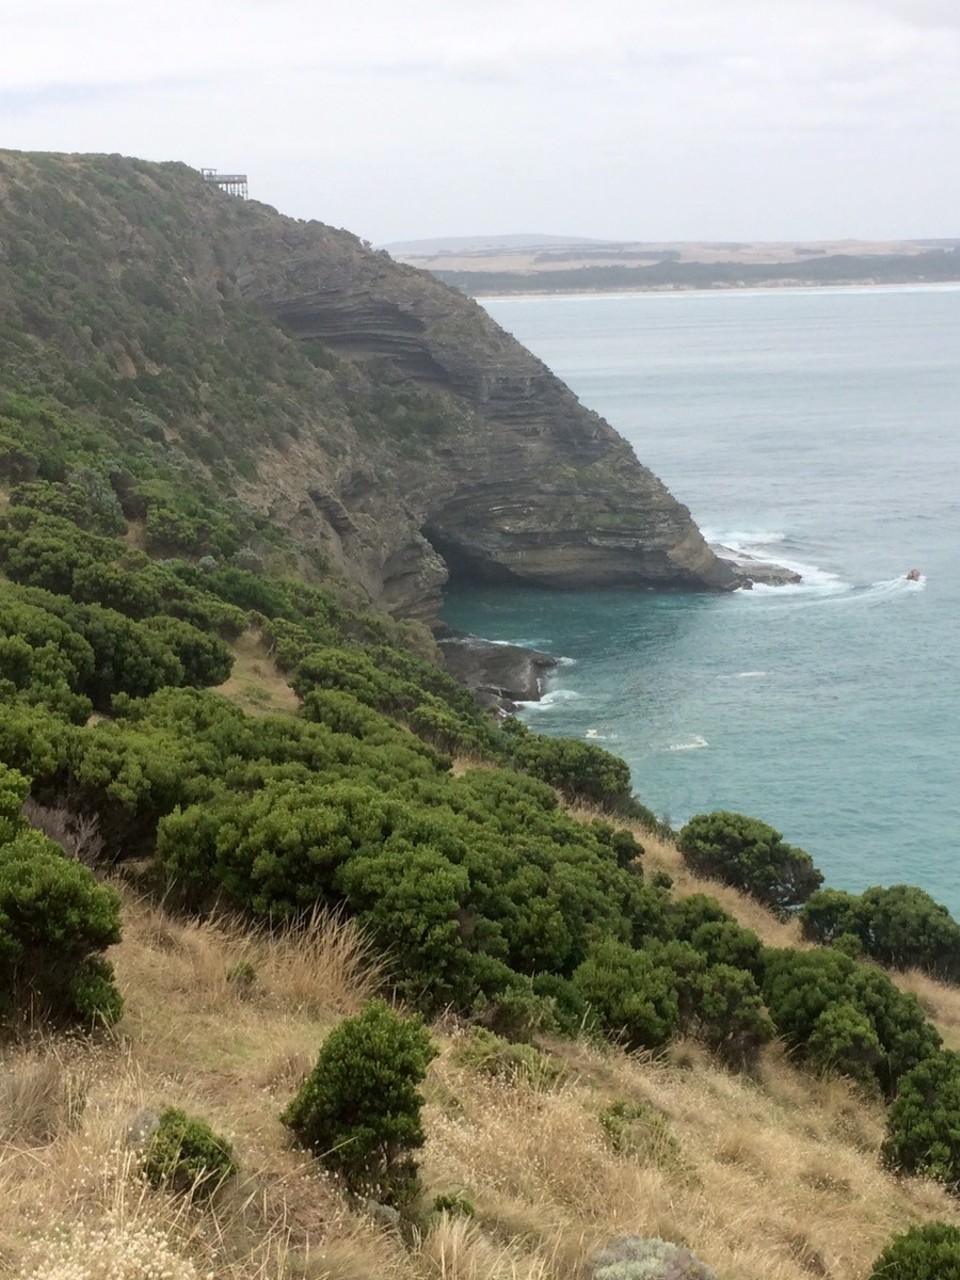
x=515 y=481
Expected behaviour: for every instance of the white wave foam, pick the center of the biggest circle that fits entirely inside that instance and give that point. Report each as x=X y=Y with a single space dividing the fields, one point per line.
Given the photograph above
x=813 y=579
x=751 y=675
x=743 y=539
x=538 y=644
x=555 y=697
x=766 y=546
x=695 y=743
x=847 y=595
x=566 y=662
x=894 y=587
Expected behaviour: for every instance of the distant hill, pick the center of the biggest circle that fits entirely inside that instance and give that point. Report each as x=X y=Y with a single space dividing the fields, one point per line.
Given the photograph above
x=497 y=266
x=479 y=244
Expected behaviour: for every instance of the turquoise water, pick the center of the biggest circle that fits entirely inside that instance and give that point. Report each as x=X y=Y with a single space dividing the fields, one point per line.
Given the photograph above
x=822 y=428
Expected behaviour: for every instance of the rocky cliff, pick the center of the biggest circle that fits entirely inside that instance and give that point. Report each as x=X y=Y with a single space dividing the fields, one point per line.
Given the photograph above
x=382 y=417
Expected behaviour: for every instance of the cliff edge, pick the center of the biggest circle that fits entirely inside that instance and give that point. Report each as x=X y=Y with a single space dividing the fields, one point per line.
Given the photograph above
x=381 y=417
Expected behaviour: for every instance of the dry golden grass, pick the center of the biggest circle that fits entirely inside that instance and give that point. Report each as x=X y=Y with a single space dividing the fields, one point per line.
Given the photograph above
x=136 y=535
x=769 y=1177
x=255 y=684
x=776 y=1177
x=195 y=1034
x=940 y=1002
x=463 y=764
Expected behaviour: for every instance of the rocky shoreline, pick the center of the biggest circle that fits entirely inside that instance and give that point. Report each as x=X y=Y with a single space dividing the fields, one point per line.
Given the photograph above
x=501 y=675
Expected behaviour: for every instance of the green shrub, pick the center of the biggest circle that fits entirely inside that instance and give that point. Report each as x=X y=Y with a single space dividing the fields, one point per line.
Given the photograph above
x=568 y=1007
x=923 y=1122
x=205 y=658
x=799 y=987
x=92 y=994
x=454 y=1205
x=359 y=1109
x=630 y=993
x=845 y=1040
x=928 y=1251
x=520 y=1012
x=55 y=919
x=14 y=789
x=581 y=770
x=641 y=1132
x=640 y=1258
x=900 y=926
x=751 y=856
x=728 y=1015
x=491 y=1055
x=184 y=1154
x=828 y=914
x=701 y=921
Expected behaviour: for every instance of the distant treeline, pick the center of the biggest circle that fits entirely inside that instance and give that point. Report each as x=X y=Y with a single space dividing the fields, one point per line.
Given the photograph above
x=935 y=266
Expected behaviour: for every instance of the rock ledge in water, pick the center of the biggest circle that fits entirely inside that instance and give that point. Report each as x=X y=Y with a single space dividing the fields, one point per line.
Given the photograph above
x=750 y=570
x=500 y=674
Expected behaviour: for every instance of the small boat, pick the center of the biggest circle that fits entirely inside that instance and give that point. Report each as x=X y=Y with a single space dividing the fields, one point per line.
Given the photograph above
x=913 y=575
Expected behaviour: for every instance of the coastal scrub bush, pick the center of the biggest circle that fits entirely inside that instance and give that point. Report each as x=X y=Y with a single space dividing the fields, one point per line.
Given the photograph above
x=630 y=994
x=274 y=853
x=358 y=1111
x=927 y=1251
x=580 y=770
x=701 y=921
x=568 y=1008
x=729 y=1017
x=923 y=1121
x=184 y=1154
x=828 y=914
x=845 y=1040
x=900 y=926
x=642 y=1258
x=749 y=855
x=55 y=919
x=799 y=987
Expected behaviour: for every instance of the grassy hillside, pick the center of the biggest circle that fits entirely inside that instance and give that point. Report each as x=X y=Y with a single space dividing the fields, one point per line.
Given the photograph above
x=768 y=1177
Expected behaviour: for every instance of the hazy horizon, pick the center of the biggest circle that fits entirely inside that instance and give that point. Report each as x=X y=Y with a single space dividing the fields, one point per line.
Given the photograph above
x=624 y=121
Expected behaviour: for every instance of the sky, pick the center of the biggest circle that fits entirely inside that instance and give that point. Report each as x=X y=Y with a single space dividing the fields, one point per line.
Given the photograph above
x=615 y=119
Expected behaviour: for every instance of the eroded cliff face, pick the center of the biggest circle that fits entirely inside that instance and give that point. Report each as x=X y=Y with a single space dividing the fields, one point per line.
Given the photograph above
x=519 y=483
x=379 y=415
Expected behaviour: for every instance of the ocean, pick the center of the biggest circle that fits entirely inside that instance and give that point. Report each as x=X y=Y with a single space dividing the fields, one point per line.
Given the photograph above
x=819 y=428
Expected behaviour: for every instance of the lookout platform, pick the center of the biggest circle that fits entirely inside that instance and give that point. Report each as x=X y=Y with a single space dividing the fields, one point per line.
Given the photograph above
x=234 y=184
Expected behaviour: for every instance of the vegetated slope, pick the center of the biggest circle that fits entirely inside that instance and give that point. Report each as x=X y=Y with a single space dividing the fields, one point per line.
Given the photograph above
x=773 y=1175
x=131 y=590
x=372 y=412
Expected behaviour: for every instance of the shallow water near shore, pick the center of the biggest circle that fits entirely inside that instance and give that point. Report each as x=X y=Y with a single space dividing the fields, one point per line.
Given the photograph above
x=819 y=428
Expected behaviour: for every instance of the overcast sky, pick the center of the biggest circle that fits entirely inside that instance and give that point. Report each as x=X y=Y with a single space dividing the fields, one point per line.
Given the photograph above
x=624 y=119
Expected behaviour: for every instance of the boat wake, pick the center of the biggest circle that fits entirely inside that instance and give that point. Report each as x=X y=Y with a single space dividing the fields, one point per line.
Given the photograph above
x=694 y=743
x=817 y=585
